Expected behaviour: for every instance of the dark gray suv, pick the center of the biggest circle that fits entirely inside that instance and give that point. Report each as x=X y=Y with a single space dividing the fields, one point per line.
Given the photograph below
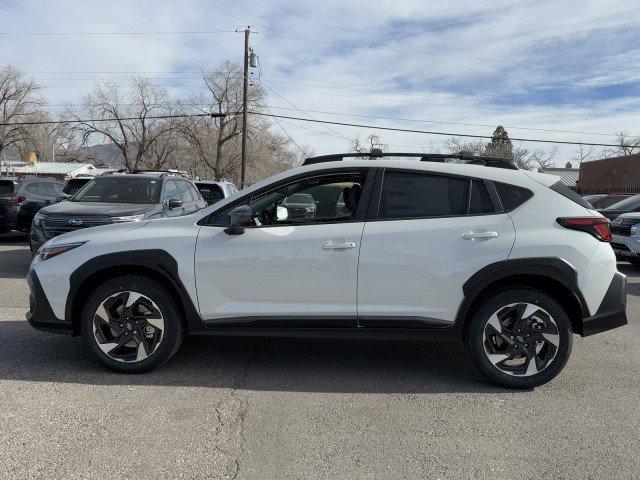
x=117 y=197
x=22 y=197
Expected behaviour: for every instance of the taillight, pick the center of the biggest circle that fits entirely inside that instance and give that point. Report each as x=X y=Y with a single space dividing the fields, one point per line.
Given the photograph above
x=596 y=226
x=18 y=199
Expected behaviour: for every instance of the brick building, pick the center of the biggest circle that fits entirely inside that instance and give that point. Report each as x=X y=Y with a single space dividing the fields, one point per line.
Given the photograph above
x=611 y=175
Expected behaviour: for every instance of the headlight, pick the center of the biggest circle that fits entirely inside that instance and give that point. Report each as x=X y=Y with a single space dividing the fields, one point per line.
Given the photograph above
x=634 y=229
x=128 y=218
x=49 y=251
x=37 y=220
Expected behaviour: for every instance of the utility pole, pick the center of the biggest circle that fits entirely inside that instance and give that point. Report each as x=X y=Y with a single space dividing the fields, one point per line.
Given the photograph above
x=245 y=97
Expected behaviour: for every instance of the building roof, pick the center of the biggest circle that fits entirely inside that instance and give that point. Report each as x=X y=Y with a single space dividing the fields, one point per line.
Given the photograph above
x=50 y=168
x=568 y=176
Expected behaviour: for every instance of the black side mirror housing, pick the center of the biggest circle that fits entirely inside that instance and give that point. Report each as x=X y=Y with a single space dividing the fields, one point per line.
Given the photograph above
x=174 y=203
x=240 y=218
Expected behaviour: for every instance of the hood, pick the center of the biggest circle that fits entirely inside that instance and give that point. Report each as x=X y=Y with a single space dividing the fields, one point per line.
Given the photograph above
x=611 y=214
x=96 y=208
x=630 y=216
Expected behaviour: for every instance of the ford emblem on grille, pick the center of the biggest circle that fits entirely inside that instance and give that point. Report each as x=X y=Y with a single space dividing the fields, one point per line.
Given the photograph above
x=75 y=221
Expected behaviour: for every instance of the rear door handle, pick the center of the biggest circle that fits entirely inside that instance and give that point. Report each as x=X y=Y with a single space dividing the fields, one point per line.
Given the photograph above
x=338 y=245
x=479 y=235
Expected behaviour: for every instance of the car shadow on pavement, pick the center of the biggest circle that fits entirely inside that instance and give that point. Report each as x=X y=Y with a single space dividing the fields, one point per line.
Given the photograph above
x=276 y=364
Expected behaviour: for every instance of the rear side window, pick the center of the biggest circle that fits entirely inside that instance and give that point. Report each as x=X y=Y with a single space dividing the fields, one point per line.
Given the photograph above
x=566 y=192
x=416 y=195
x=48 y=189
x=511 y=196
x=479 y=202
x=6 y=187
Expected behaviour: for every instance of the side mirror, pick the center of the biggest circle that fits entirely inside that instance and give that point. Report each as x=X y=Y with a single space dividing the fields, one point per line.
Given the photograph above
x=174 y=203
x=282 y=214
x=240 y=218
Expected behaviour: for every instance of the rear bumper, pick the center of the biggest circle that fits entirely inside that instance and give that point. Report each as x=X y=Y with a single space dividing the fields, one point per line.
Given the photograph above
x=40 y=314
x=612 y=311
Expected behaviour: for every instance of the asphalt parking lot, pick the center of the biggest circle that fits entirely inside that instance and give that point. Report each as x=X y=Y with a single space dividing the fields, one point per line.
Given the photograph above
x=291 y=408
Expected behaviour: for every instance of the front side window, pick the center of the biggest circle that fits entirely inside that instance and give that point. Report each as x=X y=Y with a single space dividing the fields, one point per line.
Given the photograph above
x=417 y=195
x=325 y=199
x=170 y=191
x=184 y=191
x=115 y=189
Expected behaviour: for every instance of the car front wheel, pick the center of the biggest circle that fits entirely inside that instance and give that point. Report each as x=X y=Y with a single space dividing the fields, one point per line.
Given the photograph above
x=520 y=338
x=132 y=324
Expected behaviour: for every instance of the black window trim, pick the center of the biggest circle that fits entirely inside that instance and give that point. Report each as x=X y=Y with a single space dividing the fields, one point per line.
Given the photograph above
x=360 y=215
x=373 y=216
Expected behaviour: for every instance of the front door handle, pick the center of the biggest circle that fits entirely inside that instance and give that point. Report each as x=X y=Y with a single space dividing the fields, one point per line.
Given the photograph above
x=479 y=235
x=338 y=245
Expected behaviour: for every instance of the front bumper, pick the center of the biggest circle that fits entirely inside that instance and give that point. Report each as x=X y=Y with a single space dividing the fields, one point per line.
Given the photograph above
x=612 y=311
x=40 y=314
x=626 y=247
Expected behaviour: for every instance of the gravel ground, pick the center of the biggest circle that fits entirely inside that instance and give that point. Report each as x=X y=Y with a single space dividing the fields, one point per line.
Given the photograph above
x=298 y=408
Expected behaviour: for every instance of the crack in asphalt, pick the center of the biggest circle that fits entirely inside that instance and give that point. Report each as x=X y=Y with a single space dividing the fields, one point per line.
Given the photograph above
x=258 y=349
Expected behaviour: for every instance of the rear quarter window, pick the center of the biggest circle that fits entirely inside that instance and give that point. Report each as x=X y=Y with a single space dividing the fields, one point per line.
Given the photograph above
x=566 y=192
x=512 y=196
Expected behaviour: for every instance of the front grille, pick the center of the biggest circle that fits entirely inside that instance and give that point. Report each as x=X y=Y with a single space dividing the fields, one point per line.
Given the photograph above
x=58 y=224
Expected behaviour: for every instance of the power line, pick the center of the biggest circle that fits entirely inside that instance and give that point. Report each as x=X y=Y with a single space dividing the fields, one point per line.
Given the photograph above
x=287 y=133
x=322 y=122
x=429 y=132
x=303 y=112
x=69 y=34
x=404 y=119
x=94 y=120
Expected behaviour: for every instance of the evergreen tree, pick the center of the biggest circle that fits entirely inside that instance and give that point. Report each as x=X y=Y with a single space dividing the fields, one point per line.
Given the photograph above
x=500 y=144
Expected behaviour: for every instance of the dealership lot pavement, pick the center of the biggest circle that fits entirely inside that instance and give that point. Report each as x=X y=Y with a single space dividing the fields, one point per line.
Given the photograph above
x=291 y=408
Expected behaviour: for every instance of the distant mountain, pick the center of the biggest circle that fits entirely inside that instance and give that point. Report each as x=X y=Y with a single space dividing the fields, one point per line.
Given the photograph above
x=105 y=153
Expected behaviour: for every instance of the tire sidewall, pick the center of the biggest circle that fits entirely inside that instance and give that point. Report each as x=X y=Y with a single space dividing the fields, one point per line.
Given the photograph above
x=478 y=322
x=172 y=335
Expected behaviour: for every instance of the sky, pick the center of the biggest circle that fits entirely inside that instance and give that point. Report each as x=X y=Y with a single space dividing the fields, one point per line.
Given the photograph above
x=460 y=67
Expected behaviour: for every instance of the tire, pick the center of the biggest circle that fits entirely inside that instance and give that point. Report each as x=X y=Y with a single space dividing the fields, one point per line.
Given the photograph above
x=534 y=342
x=134 y=338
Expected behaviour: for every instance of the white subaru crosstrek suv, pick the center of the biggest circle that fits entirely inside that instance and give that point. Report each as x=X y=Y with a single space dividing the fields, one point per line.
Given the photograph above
x=510 y=262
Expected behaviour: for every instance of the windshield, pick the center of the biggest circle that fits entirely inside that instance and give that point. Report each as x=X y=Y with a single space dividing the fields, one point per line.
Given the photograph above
x=74 y=185
x=113 y=189
x=608 y=201
x=298 y=198
x=628 y=204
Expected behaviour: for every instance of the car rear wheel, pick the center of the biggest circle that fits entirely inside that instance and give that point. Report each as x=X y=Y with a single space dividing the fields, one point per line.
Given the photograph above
x=520 y=338
x=132 y=324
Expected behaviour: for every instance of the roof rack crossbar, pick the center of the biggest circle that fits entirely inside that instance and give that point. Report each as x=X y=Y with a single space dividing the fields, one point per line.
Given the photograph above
x=465 y=156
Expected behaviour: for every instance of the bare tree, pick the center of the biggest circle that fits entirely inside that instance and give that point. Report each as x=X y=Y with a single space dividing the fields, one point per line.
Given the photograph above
x=137 y=117
x=627 y=144
x=584 y=153
x=542 y=159
x=458 y=144
x=19 y=102
x=356 y=145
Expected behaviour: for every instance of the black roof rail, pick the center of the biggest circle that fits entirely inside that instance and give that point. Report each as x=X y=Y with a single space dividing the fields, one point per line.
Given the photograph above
x=162 y=173
x=464 y=156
